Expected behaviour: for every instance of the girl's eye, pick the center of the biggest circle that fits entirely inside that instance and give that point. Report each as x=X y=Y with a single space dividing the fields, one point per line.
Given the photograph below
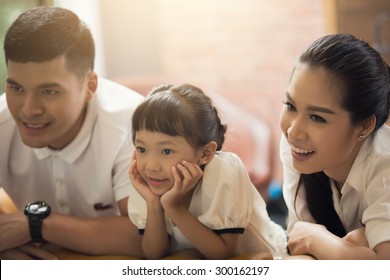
x=140 y=150
x=166 y=151
x=317 y=119
x=289 y=106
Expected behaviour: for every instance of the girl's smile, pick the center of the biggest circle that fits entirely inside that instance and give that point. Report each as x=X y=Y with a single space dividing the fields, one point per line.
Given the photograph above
x=152 y=182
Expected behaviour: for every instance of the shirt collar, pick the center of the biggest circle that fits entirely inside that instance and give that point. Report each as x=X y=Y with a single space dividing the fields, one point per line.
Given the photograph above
x=74 y=150
x=354 y=177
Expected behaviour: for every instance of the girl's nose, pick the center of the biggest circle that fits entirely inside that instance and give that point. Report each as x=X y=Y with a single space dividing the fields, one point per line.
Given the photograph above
x=152 y=164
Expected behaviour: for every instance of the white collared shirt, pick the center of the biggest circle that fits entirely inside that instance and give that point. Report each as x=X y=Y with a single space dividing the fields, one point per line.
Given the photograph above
x=88 y=176
x=365 y=195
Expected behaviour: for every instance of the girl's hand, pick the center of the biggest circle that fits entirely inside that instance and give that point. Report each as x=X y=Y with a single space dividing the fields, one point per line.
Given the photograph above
x=139 y=184
x=184 y=184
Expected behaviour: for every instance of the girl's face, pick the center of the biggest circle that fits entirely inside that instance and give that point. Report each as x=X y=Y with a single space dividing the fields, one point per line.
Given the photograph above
x=317 y=128
x=157 y=153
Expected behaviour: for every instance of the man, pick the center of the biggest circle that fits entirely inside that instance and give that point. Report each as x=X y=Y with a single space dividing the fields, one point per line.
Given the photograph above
x=64 y=142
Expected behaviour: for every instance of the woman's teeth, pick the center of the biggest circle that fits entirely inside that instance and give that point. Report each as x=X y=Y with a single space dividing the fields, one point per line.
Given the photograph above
x=300 y=150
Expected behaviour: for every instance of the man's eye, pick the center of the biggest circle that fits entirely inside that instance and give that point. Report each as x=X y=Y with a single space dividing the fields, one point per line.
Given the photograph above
x=14 y=88
x=49 y=91
x=166 y=151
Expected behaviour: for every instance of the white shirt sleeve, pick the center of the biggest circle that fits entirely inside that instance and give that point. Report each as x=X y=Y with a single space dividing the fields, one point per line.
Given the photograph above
x=136 y=207
x=376 y=216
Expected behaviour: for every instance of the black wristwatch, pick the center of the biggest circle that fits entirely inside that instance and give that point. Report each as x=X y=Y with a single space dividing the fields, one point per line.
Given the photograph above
x=36 y=212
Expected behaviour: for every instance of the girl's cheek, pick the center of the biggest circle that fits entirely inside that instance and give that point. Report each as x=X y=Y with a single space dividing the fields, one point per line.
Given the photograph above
x=178 y=172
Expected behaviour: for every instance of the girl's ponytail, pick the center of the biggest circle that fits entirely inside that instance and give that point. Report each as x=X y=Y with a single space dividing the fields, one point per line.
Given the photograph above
x=221 y=130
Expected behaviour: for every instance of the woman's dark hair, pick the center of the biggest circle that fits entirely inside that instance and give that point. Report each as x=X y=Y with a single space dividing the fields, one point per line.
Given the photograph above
x=364 y=80
x=44 y=33
x=182 y=110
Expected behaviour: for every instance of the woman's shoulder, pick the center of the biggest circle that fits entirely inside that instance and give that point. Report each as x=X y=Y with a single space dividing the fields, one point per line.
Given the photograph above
x=382 y=140
x=373 y=160
x=377 y=148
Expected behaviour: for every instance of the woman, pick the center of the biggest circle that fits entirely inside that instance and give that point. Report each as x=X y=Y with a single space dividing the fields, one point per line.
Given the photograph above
x=335 y=151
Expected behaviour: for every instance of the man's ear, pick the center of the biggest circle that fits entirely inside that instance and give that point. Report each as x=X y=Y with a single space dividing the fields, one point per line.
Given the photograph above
x=92 y=83
x=208 y=151
x=367 y=127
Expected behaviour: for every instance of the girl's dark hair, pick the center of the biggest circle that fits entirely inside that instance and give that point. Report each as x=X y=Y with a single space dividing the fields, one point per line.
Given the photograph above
x=364 y=80
x=182 y=110
x=44 y=33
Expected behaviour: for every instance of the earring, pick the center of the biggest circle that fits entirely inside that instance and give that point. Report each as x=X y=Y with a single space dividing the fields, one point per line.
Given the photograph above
x=361 y=136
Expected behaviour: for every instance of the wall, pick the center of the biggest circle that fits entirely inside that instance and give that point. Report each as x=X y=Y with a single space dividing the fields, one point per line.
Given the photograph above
x=131 y=39
x=368 y=20
x=243 y=50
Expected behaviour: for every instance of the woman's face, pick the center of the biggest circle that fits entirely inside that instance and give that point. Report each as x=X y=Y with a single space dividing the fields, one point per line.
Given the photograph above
x=318 y=130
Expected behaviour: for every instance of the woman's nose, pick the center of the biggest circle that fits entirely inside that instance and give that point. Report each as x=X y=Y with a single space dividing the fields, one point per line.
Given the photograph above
x=297 y=129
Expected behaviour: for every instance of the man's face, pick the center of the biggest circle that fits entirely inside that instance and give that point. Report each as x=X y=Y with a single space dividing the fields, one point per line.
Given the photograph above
x=47 y=102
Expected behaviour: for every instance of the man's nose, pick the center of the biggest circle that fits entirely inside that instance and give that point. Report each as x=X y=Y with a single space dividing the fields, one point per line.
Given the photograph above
x=32 y=106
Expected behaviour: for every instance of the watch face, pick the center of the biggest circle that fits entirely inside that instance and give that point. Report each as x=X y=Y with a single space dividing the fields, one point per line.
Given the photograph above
x=38 y=207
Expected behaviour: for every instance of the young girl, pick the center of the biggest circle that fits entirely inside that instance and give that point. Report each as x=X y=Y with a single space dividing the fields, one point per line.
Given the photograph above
x=336 y=151
x=187 y=193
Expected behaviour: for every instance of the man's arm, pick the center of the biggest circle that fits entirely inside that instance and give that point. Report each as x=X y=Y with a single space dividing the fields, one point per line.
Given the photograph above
x=14 y=230
x=101 y=235
x=6 y=204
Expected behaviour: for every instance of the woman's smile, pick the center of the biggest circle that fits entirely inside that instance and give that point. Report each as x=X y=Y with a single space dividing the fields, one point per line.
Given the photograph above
x=300 y=153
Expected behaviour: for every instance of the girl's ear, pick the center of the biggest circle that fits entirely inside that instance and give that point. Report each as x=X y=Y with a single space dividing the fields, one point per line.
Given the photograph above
x=208 y=151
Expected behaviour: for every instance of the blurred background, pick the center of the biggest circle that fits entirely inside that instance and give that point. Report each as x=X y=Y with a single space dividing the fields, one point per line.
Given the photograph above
x=241 y=52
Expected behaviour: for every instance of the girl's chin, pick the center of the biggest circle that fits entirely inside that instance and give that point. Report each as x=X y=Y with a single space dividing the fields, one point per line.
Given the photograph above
x=159 y=190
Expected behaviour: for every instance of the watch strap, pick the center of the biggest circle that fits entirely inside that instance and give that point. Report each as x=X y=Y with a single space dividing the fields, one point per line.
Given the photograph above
x=35 y=224
x=36 y=212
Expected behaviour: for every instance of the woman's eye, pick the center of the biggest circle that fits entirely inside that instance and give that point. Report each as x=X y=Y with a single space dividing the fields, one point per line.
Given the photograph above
x=317 y=119
x=166 y=151
x=140 y=149
x=289 y=106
